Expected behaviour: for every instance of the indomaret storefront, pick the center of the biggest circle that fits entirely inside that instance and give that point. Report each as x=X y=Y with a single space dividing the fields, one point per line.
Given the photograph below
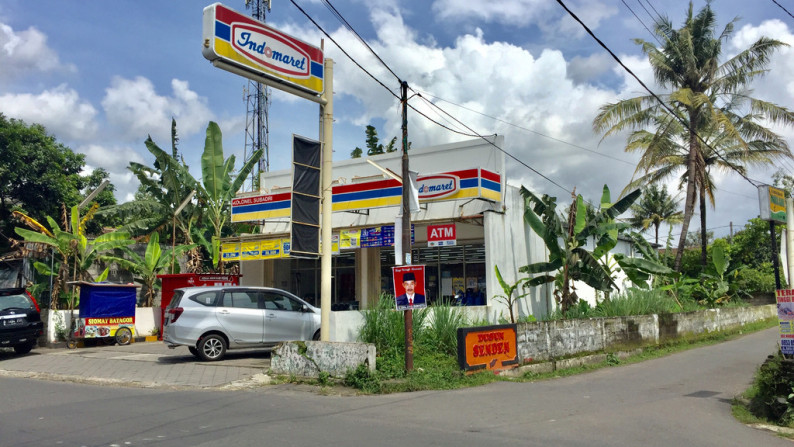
x=469 y=221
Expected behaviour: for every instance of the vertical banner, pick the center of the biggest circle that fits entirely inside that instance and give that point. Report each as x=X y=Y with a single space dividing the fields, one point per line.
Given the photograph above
x=409 y=287
x=305 y=216
x=785 y=317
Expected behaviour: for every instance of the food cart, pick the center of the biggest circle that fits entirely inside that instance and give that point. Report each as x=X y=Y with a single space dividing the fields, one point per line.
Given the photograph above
x=107 y=312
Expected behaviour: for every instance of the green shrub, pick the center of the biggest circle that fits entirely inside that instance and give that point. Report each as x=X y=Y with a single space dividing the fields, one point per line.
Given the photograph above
x=756 y=280
x=385 y=327
x=442 y=333
x=773 y=391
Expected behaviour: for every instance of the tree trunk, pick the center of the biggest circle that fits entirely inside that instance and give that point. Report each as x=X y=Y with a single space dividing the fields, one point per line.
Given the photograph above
x=689 y=205
x=703 y=236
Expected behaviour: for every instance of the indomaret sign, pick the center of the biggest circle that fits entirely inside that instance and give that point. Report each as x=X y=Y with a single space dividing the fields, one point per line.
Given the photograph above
x=236 y=40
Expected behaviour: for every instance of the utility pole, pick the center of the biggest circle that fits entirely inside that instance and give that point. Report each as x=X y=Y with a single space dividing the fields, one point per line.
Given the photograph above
x=406 y=227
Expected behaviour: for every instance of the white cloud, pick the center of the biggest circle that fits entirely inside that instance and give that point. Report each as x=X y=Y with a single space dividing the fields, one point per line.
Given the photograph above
x=60 y=110
x=26 y=51
x=115 y=160
x=514 y=12
x=135 y=109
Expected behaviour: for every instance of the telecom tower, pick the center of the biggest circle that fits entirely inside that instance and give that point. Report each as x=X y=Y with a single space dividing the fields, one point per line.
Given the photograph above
x=257 y=100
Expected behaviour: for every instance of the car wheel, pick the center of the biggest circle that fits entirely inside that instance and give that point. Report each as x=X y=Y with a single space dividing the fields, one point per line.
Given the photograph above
x=316 y=335
x=23 y=349
x=193 y=351
x=123 y=336
x=71 y=344
x=212 y=348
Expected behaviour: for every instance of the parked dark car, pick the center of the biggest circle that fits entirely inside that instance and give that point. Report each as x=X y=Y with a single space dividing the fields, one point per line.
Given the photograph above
x=20 y=320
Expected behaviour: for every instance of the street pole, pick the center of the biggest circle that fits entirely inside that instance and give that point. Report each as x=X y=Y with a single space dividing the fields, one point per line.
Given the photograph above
x=406 y=227
x=790 y=239
x=327 y=112
x=774 y=253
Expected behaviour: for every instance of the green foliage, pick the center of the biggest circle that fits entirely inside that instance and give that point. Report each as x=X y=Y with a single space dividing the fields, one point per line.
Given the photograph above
x=442 y=333
x=509 y=298
x=571 y=260
x=39 y=175
x=655 y=207
x=773 y=396
x=707 y=100
x=752 y=246
x=756 y=280
x=155 y=261
x=363 y=379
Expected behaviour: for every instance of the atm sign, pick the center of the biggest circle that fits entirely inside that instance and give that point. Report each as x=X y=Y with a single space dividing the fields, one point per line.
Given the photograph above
x=441 y=235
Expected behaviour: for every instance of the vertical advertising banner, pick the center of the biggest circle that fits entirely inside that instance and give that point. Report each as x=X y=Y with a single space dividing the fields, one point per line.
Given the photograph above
x=785 y=317
x=409 y=287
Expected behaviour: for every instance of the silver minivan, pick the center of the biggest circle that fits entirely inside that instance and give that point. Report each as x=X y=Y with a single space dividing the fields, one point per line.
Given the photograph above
x=211 y=320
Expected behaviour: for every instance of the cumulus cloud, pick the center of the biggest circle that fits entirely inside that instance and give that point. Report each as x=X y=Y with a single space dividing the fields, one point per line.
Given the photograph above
x=60 y=110
x=24 y=52
x=492 y=87
x=135 y=109
x=115 y=160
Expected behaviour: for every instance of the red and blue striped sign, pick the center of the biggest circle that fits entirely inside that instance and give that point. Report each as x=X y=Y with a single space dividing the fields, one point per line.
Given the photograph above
x=471 y=183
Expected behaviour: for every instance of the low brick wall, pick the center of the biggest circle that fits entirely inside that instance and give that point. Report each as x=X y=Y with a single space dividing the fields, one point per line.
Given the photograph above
x=308 y=358
x=546 y=340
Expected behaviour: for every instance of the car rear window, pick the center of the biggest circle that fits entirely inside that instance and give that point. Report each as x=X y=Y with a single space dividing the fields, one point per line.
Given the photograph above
x=205 y=298
x=16 y=300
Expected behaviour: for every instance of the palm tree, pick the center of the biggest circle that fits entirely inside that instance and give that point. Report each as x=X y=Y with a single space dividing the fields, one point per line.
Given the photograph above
x=704 y=96
x=654 y=207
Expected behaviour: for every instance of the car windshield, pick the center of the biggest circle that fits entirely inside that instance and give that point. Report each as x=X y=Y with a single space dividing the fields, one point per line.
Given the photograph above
x=15 y=301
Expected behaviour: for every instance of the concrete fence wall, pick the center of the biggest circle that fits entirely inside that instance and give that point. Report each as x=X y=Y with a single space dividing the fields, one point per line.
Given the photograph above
x=547 y=340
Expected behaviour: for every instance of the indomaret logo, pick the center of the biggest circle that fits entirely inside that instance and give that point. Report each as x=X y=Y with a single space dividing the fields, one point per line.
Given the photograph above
x=437 y=186
x=269 y=48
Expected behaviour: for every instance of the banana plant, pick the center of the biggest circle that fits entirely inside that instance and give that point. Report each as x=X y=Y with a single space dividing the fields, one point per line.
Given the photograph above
x=509 y=298
x=154 y=262
x=218 y=186
x=74 y=248
x=569 y=258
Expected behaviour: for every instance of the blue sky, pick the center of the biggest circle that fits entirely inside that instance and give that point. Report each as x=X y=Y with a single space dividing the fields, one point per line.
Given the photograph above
x=101 y=76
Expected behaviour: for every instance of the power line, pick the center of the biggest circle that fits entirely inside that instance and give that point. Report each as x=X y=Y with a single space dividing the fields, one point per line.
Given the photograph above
x=640 y=20
x=530 y=130
x=781 y=7
x=343 y=50
x=347 y=25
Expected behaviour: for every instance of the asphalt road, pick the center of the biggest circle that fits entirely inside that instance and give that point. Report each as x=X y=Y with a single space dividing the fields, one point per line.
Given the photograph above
x=679 y=400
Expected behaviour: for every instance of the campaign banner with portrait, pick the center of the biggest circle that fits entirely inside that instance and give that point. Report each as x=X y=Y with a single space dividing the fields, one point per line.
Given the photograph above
x=785 y=317
x=409 y=287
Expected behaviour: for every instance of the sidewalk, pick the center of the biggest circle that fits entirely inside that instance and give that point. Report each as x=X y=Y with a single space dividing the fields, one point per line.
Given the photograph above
x=149 y=364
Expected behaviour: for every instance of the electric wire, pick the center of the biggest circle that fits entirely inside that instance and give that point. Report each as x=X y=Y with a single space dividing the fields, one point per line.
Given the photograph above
x=784 y=9
x=641 y=22
x=661 y=102
x=530 y=130
x=343 y=50
x=350 y=28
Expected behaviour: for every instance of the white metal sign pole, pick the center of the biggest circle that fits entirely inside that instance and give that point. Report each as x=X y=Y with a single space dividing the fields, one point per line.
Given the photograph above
x=327 y=221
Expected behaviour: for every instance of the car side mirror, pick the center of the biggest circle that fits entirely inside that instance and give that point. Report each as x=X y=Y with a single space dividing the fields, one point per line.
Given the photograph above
x=305 y=308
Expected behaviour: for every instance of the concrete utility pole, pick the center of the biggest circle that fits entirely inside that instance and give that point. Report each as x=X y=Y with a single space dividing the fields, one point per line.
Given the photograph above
x=327 y=221
x=406 y=228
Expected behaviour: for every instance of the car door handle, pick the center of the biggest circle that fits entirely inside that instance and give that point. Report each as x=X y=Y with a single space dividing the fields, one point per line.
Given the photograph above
x=271 y=315
x=224 y=311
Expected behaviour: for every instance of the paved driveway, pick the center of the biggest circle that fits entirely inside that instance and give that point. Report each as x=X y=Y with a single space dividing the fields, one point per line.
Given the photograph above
x=141 y=364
